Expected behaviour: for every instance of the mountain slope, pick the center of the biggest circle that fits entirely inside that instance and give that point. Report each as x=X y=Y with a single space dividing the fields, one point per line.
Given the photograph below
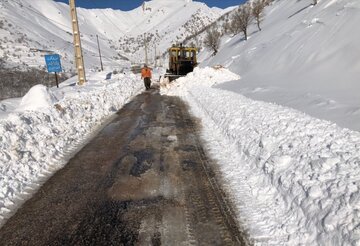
x=30 y=28
x=306 y=57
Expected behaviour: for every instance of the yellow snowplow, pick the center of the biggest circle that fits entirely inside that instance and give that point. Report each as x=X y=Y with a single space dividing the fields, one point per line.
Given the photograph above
x=182 y=61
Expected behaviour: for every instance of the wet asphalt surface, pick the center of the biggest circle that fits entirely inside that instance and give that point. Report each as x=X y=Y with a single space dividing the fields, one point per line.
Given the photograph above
x=143 y=180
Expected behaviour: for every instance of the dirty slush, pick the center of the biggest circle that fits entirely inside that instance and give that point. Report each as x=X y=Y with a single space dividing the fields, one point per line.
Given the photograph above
x=144 y=180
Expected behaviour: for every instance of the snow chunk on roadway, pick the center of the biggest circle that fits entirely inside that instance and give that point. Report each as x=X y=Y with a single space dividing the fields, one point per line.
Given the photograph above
x=204 y=76
x=295 y=179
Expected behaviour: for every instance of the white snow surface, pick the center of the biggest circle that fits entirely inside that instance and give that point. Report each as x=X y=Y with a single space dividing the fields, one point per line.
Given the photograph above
x=306 y=57
x=38 y=97
x=294 y=179
x=40 y=132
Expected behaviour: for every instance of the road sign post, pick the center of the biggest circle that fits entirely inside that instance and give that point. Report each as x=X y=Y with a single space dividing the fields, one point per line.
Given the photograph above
x=53 y=65
x=57 y=81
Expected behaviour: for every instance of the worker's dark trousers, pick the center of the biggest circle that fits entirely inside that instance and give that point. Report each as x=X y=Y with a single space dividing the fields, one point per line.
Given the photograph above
x=147 y=82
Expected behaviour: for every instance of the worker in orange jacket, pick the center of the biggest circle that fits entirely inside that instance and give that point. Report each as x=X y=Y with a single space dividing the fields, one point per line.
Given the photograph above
x=146 y=75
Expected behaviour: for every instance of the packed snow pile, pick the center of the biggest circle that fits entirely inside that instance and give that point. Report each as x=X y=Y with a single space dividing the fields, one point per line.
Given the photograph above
x=295 y=179
x=35 y=143
x=204 y=76
x=39 y=97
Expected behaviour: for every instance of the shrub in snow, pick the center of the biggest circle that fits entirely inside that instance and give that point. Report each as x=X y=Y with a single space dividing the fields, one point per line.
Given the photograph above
x=212 y=39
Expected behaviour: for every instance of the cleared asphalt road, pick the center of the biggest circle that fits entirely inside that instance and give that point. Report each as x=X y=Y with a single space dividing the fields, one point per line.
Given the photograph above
x=143 y=180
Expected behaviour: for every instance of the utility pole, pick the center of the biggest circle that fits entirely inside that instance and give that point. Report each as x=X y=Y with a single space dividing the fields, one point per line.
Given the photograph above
x=146 y=54
x=155 y=57
x=102 y=68
x=79 y=60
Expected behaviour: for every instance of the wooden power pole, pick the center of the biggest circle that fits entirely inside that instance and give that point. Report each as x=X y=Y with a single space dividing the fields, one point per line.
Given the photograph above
x=146 y=52
x=102 y=68
x=155 y=57
x=79 y=60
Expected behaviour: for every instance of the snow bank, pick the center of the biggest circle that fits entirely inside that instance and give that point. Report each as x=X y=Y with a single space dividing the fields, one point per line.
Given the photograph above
x=35 y=143
x=295 y=179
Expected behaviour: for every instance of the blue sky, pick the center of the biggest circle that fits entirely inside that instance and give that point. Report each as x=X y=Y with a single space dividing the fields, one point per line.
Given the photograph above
x=131 y=4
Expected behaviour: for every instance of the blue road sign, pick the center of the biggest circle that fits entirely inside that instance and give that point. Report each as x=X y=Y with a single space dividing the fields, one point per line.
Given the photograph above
x=53 y=63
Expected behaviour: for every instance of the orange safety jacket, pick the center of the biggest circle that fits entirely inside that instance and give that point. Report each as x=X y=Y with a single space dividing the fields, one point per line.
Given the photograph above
x=145 y=73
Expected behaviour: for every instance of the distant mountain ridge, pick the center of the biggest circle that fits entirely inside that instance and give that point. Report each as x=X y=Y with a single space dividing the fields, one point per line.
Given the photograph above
x=29 y=29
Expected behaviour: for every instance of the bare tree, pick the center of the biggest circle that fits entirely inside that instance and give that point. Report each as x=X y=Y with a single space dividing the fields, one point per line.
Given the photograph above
x=258 y=7
x=226 y=27
x=233 y=27
x=212 y=39
x=268 y=2
x=242 y=19
x=143 y=6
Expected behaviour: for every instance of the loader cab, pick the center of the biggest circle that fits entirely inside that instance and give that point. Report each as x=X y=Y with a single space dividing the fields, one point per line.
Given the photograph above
x=182 y=60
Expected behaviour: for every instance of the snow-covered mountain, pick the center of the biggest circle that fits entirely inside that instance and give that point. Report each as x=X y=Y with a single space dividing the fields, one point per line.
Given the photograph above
x=306 y=57
x=31 y=28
